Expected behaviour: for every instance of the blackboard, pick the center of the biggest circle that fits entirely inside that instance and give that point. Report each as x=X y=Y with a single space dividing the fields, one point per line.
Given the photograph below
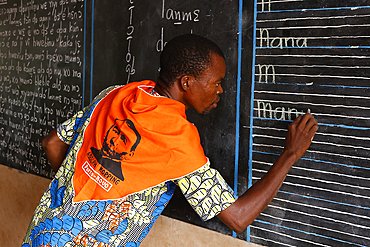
x=41 y=60
x=313 y=56
x=284 y=58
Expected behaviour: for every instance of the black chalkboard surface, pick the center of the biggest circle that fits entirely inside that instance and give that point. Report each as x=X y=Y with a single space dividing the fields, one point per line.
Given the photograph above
x=313 y=56
x=284 y=58
x=41 y=62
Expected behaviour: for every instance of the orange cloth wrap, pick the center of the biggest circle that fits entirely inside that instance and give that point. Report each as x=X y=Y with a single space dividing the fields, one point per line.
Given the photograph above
x=134 y=141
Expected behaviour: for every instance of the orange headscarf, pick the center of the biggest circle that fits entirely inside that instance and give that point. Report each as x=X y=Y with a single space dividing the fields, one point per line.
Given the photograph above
x=134 y=141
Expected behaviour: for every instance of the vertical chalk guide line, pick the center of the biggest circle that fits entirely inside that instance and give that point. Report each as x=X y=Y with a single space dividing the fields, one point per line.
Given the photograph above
x=313 y=58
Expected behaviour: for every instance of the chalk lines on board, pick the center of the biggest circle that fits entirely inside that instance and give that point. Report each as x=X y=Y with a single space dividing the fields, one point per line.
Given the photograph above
x=305 y=232
x=314 y=142
x=320 y=76
x=313 y=47
x=335 y=163
x=265 y=240
x=312 y=226
x=302 y=212
x=268 y=136
x=284 y=235
x=310 y=84
x=321 y=208
x=265 y=108
x=314 y=56
x=319 y=161
x=310 y=104
x=340 y=145
x=268 y=74
x=336 y=174
x=316 y=9
x=320 y=124
x=318 y=216
x=315 y=94
x=322 y=189
x=315 y=18
x=319 y=66
x=344 y=136
x=266 y=4
x=281 y=236
x=325 y=200
x=341 y=116
x=278 y=1
x=316 y=27
x=318 y=152
x=317 y=133
x=300 y=204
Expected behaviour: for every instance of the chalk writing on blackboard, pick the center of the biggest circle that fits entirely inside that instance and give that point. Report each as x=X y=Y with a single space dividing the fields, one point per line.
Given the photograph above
x=130 y=59
x=40 y=76
x=177 y=17
x=313 y=58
